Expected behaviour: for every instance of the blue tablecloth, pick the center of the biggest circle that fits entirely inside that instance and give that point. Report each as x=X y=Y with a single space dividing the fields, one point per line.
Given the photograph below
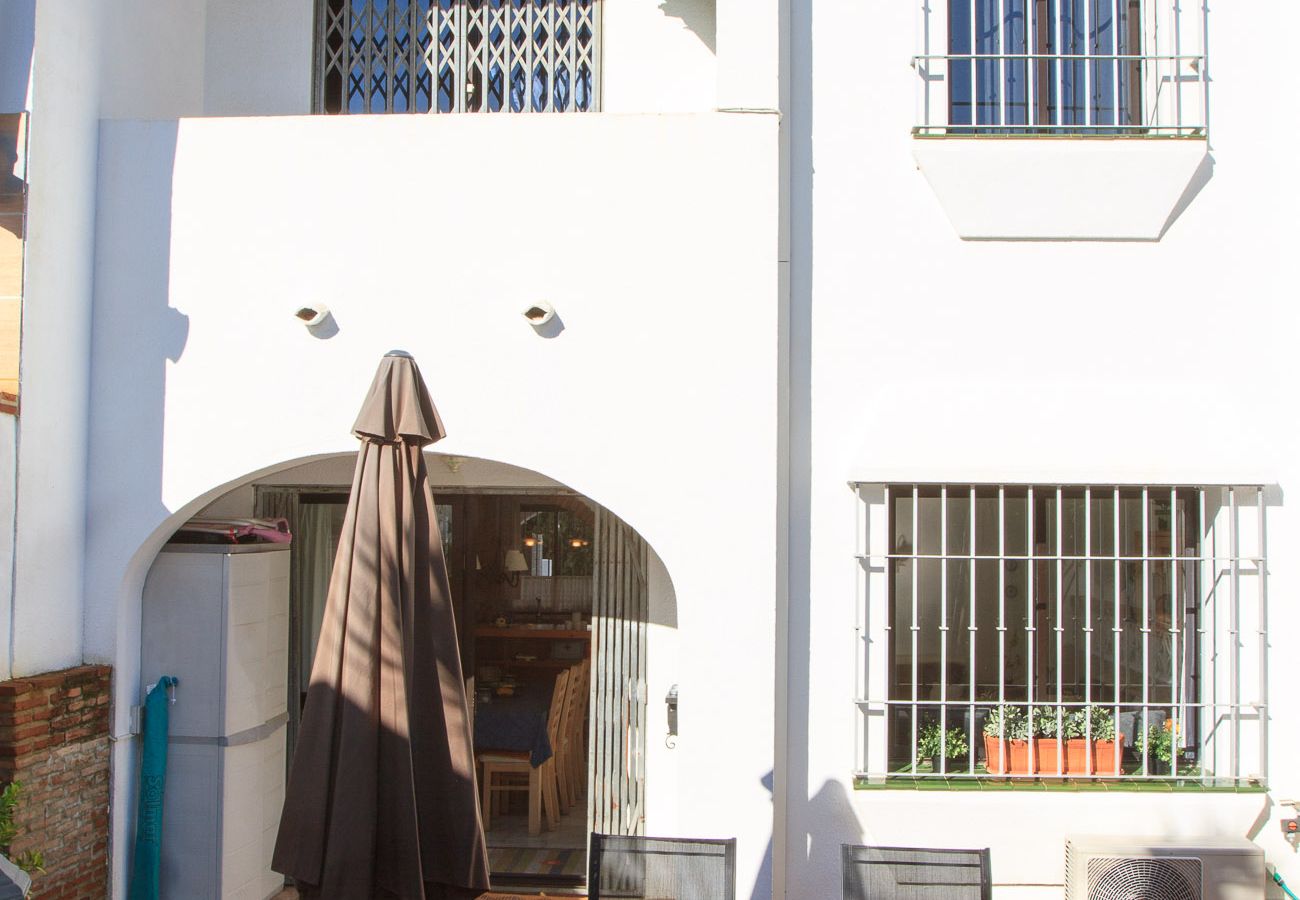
x=516 y=723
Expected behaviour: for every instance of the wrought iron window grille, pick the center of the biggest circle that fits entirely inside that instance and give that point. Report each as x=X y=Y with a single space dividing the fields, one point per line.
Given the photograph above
x=1001 y=625
x=1130 y=68
x=442 y=56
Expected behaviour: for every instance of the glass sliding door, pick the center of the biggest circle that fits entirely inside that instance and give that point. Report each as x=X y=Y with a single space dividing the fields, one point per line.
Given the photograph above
x=316 y=521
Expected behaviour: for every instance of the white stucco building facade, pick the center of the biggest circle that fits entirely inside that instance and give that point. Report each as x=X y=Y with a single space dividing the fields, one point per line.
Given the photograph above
x=778 y=299
x=927 y=348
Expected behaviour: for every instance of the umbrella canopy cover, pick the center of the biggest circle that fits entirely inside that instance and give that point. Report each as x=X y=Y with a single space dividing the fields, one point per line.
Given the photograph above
x=382 y=800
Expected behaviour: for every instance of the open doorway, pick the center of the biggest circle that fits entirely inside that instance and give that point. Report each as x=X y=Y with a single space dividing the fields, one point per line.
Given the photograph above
x=551 y=600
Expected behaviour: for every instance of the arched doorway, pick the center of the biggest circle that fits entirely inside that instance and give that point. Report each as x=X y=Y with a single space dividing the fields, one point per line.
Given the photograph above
x=543 y=578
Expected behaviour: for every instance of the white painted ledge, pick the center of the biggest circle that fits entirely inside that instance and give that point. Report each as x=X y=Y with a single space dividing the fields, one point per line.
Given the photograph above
x=1062 y=189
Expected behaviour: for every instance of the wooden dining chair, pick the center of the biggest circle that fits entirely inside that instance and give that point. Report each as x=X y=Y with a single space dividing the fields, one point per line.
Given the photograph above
x=504 y=772
x=577 y=745
x=566 y=748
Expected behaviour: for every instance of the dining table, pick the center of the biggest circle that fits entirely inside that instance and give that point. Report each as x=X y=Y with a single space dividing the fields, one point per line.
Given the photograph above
x=516 y=723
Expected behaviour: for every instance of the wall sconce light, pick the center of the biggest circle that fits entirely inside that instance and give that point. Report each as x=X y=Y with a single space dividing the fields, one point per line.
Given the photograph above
x=578 y=543
x=514 y=565
x=530 y=541
x=318 y=319
x=312 y=314
x=539 y=314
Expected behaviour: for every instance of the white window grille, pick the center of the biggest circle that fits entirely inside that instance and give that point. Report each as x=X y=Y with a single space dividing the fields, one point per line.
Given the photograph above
x=375 y=56
x=996 y=618
x=1053 y=67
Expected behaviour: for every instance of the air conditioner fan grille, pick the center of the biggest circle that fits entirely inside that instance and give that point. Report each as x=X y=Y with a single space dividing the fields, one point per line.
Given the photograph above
x=1144 y=878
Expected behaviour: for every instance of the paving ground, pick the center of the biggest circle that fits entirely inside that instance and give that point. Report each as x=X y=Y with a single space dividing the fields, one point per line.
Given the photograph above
x=291 y=894
x=512 y=831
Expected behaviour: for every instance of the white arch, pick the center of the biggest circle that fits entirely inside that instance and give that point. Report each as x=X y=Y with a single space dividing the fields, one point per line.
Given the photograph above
x=128 y=597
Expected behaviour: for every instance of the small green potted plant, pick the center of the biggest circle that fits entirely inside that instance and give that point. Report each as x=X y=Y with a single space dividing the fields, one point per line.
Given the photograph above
x=934 y=744
x=1160 y=742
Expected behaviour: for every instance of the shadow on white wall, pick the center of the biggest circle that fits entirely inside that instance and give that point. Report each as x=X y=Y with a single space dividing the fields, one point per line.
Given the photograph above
x=699 y=17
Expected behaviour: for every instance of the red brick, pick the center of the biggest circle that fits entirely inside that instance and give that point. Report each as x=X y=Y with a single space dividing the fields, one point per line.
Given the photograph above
x=54 y=738
x=30 y=701
x=13 y=688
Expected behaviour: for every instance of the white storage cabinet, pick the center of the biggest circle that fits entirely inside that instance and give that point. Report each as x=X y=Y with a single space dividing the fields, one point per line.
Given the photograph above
x=217 y=617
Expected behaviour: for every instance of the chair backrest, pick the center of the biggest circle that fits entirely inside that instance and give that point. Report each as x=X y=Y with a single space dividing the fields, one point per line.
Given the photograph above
x=556 y=712
x=584 y=694
x=650 y=868
x=916 y=873
x=570 y=704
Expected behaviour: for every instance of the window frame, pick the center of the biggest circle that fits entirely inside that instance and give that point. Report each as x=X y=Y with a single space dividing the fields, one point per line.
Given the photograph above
x=397 y=53
x=1230 y=583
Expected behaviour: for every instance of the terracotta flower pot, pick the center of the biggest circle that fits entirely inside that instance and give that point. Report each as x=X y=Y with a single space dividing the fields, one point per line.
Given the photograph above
x=1103 y=757
x=1041 y=757
x=1044 y=759
x=1003 y=757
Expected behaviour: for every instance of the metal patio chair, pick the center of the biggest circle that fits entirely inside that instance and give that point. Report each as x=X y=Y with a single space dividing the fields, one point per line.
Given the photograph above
x=649 y=868
x=916 y=873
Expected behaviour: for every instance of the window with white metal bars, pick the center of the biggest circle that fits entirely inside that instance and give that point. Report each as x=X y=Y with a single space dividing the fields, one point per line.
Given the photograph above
x=1031 y=631
x=1025 y=67
x=419 y=56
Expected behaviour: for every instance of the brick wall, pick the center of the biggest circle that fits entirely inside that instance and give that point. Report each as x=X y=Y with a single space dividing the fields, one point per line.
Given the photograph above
x=54 y=739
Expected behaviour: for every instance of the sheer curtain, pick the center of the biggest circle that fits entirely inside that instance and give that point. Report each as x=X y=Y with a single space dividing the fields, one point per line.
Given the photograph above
x=317 y=540
x=315 y=528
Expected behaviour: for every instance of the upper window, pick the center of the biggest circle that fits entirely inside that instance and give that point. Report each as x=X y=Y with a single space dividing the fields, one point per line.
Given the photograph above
x=375 y=56
x=1057 y=631
x=1023 y=67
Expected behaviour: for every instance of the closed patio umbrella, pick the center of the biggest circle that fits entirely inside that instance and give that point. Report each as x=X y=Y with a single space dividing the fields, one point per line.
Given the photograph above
x=381 y=800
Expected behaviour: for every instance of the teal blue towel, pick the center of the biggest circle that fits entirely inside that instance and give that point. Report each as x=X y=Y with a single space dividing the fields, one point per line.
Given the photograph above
x=153 y=778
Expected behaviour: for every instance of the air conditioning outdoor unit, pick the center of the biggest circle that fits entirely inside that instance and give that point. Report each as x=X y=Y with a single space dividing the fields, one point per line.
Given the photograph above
x=1105 y=867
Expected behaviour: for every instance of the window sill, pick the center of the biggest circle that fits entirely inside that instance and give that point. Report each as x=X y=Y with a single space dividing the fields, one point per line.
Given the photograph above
x=1062 y=188
x=1060 y=785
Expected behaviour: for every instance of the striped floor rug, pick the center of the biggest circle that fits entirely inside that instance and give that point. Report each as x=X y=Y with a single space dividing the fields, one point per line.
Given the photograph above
x=570 y=863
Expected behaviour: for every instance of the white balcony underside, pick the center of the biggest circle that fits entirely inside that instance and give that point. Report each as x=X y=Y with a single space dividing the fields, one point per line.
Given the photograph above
x=1062 y=188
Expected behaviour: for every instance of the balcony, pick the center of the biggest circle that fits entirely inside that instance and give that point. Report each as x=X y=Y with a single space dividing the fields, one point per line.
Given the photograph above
x=1027 y=68
x=251 y=58
x=1061 y=95
x=1064 y=120
x=213 y=231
